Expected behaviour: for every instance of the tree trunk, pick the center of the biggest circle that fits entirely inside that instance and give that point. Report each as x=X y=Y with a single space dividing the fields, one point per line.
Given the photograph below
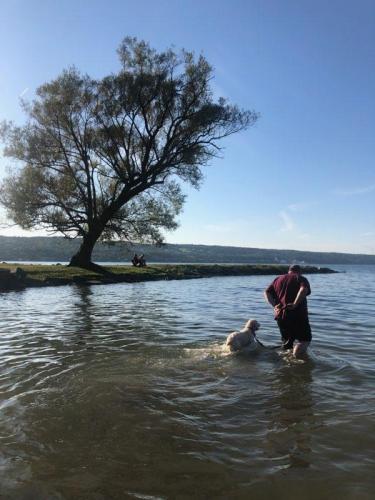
x=83 y=257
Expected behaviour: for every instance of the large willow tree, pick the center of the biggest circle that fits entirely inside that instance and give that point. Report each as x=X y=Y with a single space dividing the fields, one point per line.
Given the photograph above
x=101 y=159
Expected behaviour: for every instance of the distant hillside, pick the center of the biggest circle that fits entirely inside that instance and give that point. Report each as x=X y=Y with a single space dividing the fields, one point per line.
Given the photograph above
x=56 y=249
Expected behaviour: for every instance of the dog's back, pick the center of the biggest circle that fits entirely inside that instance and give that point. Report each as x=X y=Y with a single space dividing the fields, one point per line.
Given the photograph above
x=239 y=341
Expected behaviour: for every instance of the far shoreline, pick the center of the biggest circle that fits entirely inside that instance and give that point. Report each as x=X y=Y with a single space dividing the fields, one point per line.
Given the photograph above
x=15 y=276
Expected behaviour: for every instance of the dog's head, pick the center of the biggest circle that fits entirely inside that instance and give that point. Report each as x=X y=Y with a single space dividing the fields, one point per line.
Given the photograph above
x=253 y=325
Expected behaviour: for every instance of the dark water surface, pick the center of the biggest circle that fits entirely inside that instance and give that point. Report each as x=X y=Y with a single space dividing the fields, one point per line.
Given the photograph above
x=123 y=391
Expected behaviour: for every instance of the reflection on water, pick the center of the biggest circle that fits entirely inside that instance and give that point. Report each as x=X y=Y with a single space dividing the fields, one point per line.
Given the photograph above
x=289 y=437
x=124 y=391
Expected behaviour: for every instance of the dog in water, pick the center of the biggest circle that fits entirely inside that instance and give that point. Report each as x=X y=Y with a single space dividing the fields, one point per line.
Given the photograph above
x=245 y=339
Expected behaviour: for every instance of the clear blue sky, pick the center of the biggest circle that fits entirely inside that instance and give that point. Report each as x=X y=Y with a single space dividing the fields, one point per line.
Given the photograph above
x=304 y=176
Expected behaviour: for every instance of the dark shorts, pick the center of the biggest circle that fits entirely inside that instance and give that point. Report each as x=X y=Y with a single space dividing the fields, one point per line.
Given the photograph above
x=294 y=330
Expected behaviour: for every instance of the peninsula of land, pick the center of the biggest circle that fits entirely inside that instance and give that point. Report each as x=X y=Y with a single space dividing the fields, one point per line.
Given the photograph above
x=17 y=277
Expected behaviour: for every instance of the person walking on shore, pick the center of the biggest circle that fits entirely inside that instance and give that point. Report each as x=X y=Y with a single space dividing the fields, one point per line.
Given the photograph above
x=287 y=295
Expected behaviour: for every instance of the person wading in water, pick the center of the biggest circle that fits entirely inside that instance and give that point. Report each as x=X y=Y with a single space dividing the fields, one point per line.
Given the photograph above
x=287 y=295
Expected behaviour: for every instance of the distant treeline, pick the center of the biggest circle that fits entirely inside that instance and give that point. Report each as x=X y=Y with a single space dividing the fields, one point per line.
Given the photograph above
x=57 y=249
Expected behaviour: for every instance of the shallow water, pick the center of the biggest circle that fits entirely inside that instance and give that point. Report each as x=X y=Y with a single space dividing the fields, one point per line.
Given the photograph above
x=123 y=391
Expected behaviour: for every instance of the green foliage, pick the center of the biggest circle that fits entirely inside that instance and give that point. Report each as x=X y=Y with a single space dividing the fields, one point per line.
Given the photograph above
x=101 y=158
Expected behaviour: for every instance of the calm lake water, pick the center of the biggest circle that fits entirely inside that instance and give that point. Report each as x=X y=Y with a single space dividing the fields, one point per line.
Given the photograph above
x=123 y=391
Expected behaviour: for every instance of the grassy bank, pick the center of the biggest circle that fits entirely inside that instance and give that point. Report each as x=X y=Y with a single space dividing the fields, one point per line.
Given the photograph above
x=53 y=275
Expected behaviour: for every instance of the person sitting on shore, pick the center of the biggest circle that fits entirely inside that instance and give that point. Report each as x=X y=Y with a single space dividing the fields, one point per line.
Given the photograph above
x=141 y=261
x=243 y=339
x=135 y=260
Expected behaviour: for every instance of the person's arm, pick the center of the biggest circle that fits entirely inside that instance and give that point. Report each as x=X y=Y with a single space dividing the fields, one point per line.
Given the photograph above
x=301 y=295
x=271 y=296
x=272 y=300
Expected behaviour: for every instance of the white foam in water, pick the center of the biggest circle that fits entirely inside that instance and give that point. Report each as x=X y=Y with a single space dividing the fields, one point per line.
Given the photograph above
x=290 y=359
x=219 y=350
x=211 y=351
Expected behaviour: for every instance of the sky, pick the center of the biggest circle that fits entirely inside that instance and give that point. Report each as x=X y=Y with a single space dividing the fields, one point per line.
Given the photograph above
x=303 y=177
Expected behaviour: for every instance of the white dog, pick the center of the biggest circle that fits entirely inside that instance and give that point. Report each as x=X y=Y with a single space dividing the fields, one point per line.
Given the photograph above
x=244 y=339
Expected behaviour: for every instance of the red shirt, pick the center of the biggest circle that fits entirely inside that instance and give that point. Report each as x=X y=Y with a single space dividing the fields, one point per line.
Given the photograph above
x=284 y=290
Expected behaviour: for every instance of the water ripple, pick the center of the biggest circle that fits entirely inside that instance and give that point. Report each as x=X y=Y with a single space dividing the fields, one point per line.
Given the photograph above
x=126 y=388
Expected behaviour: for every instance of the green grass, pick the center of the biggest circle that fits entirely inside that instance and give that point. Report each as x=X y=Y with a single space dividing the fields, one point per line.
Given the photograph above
x=42 y=272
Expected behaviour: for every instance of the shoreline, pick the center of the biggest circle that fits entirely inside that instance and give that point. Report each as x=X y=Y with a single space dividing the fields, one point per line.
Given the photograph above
x=19 y=277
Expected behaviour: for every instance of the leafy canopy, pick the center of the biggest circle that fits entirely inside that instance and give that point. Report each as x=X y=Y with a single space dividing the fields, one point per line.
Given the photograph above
x=101 y=158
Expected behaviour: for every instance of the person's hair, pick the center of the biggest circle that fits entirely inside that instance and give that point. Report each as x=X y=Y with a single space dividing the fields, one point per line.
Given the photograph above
x=295 y=268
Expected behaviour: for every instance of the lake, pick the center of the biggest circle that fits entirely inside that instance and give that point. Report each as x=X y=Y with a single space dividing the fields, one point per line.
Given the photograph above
x=123 y=391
